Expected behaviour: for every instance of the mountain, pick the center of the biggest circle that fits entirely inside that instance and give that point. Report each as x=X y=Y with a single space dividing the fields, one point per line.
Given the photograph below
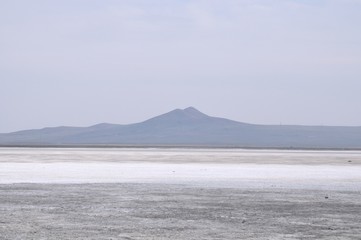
x=190 y=127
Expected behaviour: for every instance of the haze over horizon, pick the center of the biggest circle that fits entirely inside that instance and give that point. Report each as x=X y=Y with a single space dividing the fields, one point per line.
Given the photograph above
x=79 y=63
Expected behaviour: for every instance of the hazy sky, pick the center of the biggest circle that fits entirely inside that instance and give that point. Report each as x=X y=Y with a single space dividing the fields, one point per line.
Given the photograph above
x=82 y=62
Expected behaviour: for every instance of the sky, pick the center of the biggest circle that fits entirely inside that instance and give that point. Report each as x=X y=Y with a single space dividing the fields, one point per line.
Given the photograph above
x=83 y=62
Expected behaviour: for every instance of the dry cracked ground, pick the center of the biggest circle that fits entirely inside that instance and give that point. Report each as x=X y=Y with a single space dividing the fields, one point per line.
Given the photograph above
x=170 y=211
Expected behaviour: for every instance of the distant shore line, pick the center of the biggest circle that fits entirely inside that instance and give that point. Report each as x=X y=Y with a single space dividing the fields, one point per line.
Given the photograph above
x=172 y=146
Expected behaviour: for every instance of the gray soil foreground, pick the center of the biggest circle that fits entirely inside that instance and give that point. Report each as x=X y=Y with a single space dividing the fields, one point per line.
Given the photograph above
x=170 y=211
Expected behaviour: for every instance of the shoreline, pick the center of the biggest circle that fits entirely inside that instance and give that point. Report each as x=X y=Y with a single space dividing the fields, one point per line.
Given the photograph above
x=145 y=146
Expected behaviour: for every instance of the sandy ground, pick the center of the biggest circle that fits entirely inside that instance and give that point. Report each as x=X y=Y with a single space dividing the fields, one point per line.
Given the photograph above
x=179 y=194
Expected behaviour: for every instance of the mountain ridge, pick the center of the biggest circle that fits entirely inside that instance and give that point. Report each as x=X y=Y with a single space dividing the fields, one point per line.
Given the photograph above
x=188 y=127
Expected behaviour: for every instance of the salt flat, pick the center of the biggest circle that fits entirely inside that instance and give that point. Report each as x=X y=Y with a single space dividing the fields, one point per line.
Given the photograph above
x=180 y=155
x=179 y=194
x=211 y=167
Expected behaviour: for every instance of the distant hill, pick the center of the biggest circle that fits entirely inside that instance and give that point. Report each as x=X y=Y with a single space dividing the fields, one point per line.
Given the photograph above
x=190 y=127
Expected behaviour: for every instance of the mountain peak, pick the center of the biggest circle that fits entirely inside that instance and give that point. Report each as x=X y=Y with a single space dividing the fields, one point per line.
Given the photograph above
x=194 y=113
x=190 y=109
x=179 y=115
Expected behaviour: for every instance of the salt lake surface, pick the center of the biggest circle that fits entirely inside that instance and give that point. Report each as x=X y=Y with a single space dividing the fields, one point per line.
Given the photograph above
x=209 y=167
x=120 y=193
